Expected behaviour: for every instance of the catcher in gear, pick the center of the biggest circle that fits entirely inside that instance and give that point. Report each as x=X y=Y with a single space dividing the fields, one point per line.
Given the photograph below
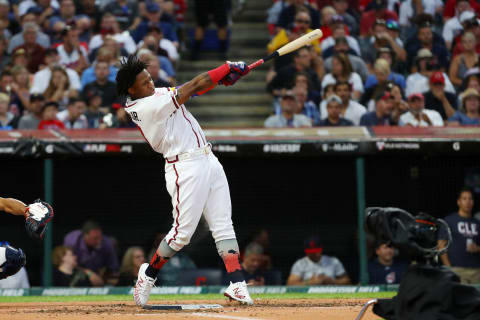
x=37 y=215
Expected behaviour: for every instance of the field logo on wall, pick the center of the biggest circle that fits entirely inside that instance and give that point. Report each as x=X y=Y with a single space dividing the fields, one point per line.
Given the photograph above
x=281 y=148
x=382 y=145
x=340 y=147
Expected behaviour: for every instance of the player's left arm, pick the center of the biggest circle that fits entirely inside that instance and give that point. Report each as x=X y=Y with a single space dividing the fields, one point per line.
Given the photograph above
x=226 y=74
x=13 y=206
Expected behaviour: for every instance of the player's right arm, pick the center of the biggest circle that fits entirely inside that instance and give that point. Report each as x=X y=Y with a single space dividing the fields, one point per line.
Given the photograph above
x=13 y=206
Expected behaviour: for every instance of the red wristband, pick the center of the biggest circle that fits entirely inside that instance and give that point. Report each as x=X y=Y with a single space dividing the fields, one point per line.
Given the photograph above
x=218 y=73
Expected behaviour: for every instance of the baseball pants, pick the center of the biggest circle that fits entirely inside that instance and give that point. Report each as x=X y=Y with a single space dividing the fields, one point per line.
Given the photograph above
x=198 y=186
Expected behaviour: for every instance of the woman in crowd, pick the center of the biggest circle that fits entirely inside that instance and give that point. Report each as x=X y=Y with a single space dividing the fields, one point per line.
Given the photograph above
x=132 y=260
x=471 y=109
x=465 y=60
x=342 y=71
x=67 y=273
x=20 y=97
x=58 y=89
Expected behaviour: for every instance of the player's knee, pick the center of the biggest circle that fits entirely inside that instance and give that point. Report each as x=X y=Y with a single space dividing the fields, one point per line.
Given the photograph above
x=11 y=260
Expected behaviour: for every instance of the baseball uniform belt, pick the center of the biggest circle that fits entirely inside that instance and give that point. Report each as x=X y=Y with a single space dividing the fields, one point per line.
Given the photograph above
x=190 y=155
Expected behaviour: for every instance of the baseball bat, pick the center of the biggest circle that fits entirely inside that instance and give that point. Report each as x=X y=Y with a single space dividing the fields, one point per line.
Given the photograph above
x=289 y=47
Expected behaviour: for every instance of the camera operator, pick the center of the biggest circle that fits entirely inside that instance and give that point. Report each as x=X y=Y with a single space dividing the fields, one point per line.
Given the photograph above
x=464 y=253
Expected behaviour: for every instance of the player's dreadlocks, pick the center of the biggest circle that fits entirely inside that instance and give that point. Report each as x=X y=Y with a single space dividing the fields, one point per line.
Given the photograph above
x=129 y=69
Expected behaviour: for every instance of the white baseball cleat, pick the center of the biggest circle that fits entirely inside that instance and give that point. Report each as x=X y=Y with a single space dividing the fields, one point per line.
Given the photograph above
x=238 y=291
x=144 y=285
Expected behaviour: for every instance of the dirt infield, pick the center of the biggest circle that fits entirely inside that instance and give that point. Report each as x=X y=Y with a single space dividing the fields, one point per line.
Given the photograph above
x=304 y=309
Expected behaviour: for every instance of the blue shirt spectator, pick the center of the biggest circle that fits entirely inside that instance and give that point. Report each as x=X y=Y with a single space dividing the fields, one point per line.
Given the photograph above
x=89 y=75
x=393 y=77
x=384 y=269
x=463 y=119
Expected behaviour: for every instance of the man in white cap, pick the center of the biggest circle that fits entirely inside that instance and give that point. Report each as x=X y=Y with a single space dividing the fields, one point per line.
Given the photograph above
x=453 y=26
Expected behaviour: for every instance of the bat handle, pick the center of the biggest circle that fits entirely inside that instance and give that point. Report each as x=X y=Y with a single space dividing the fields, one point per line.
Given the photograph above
x=256 y=64
x=262 y=61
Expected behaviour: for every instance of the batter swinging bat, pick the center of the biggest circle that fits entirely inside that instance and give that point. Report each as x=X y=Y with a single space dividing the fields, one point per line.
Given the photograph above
x=289 y=47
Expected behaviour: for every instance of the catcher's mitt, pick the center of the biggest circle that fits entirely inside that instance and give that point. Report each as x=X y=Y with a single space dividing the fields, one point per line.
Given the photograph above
x=39 y=214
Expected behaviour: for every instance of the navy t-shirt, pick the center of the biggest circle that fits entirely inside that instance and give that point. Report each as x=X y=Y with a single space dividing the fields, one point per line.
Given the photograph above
x=371 y=119
x=380 y=274
x=463 y=230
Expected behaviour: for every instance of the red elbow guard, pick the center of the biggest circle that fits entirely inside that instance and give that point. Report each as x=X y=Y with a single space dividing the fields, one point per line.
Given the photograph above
x=218 y=73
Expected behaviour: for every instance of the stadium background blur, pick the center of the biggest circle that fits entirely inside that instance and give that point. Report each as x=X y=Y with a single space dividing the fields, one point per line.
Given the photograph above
x=290 y=197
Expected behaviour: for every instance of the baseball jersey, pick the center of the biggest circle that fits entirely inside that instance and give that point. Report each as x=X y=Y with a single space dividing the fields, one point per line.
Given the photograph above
x=169 y=127
x=307 y=269
x=381 y=274
x=463 y=230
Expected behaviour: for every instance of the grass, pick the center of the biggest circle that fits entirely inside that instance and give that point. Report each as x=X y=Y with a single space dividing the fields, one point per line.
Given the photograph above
x=211 y=296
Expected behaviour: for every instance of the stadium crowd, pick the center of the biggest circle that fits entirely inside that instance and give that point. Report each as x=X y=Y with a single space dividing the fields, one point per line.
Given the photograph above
x=379 y=62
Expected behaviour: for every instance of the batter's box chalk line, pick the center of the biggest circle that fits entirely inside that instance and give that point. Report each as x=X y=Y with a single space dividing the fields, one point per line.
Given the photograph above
x=182 y=306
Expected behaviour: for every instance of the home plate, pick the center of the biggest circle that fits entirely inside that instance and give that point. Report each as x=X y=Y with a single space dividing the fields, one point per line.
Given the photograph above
x=181 y=306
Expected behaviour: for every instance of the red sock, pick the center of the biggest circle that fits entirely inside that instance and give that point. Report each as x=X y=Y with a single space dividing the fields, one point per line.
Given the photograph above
x=232 y=264
x=155 y=265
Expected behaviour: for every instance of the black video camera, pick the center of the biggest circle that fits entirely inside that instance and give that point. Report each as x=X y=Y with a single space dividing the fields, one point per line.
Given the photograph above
x=416 y=236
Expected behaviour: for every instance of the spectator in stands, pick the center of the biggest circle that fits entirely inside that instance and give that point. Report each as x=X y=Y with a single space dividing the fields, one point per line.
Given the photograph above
x=66 y=272
x=418 y=116
x=469 y=25
x=131 y=262
x=287 y=15
x=341 y=7
x=6 y=117
x=32 y=119
x=400 y=106
x=107 y=88
x=305 y=106
x=73 y=117
x=426 y=64
x=203 y=8
x=58 y=87
x=90 y=9
x=35 y=53
x=470 y=80
x=4 y=56
x=342 y=47
x=302 y=62
x=383 y=37
x=17 y=40
x=72 y=54
x=49 y=117
x=469 y=58
x=453 y=26
x=6 y=80
x=159 y=45
x=42 y=78
x=20 y=95
x=385 y=269
x=351 y=110
x=342 y=71
x=251 y=267
x=19 y=58
x=334 y=113
x=317 y=268
x=261 y=237
x=288 y=117
x=426 y=39
x=95 y=112
x=155 y=17
x=109 y=26
x=438 y=99
x=65 y=16
x=94 y=250
x=463 y=255
x=376 y=81
x=369 y=17
x=470 y=115
x=299 y=27
x=338 y=31
x=105 y=55
x=160 y=77
x=125 y=12
x=382 y=115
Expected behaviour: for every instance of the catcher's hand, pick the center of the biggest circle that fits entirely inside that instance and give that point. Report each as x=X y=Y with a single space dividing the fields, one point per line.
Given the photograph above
x=237 y=70
x=38 y=214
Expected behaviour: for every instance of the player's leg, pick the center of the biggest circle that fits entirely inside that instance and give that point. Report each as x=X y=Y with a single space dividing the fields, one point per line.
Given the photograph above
x=220 y=15
x=11 y=260
x=201 y=16
x=218 y=214
x=187 y=185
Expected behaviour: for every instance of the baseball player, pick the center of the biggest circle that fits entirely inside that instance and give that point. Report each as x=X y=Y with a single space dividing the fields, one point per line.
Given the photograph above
x=37 y=215
x=194 y=177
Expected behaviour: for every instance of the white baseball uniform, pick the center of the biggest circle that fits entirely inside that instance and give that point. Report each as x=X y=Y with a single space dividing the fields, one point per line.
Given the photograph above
x=195 y=179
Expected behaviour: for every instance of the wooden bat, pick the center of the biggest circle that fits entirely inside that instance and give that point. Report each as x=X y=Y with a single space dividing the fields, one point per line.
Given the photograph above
x=289 y=47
